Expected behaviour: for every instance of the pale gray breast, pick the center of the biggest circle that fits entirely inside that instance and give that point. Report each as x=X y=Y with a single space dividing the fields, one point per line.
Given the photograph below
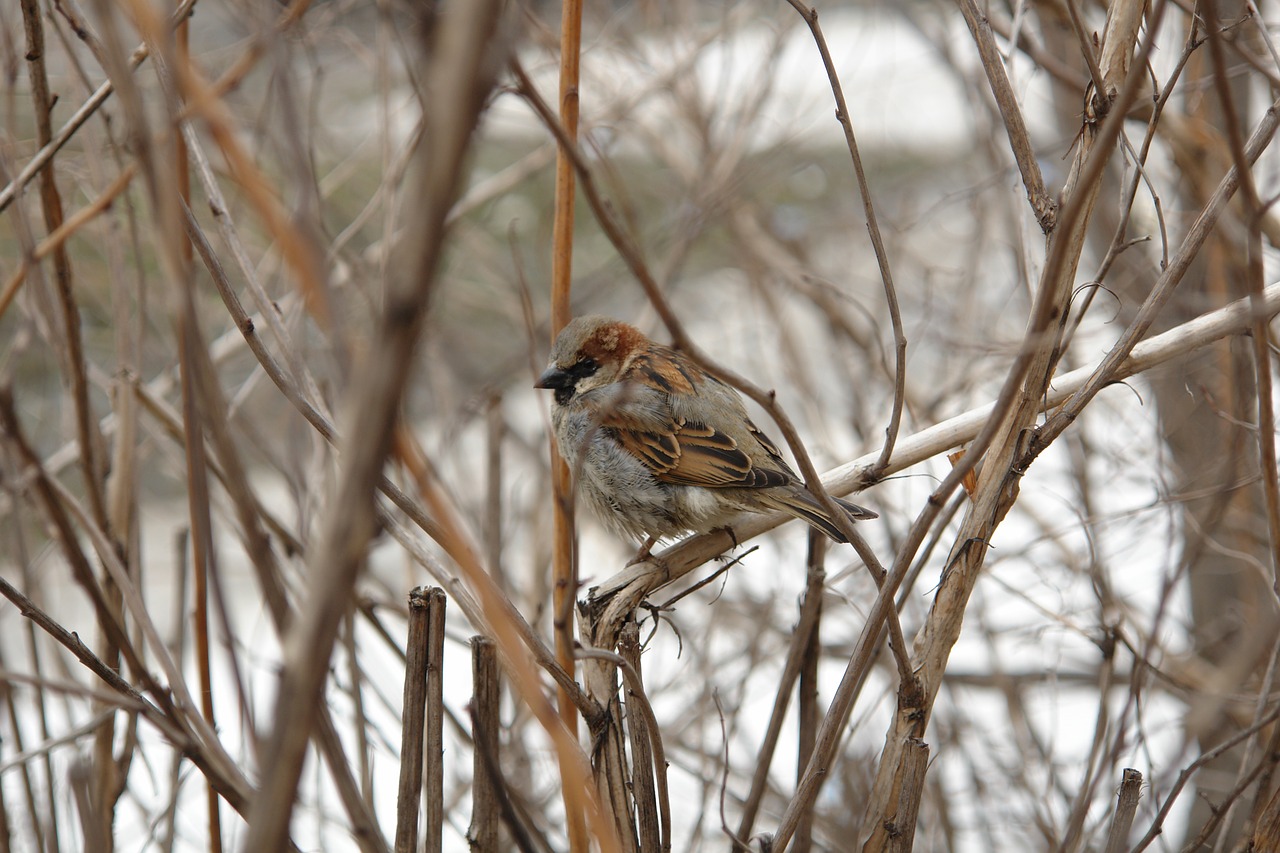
x=612 y=483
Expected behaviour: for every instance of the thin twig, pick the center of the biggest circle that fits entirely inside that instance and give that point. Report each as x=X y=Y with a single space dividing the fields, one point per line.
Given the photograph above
x=51 y=204
x=808 y=714
x=86 y=111
x=460 y=77
x=1103 y=374
x=1087 y=46
x=810 y=16
x=1042 y=203
x=235 y=789
x=802 y=637
x=1260 y=331
x=63 y=232
x=1184 y=776
x=1025 y=384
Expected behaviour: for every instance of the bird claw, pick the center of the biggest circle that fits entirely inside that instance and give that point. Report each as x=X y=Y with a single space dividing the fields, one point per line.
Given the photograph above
x=733 y=537
x=645 y=553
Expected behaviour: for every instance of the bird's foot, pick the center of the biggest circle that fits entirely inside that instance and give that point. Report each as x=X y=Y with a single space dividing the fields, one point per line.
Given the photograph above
x=645 y=553
x=733 y=537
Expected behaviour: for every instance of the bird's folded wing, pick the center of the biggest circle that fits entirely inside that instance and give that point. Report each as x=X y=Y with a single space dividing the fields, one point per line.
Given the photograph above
x=692 y=454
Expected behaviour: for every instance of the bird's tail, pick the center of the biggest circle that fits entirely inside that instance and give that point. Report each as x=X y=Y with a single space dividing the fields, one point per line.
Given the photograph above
x=804 y=505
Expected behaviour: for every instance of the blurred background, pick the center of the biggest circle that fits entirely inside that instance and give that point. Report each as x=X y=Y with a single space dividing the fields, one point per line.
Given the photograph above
x=1126 y=612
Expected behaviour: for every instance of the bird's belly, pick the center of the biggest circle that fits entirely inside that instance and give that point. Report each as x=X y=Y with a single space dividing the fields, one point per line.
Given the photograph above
x=626 y=497
x=703 y=509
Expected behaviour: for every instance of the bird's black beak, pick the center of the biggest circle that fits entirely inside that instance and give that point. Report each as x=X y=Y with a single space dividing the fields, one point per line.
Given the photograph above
x=555 y=378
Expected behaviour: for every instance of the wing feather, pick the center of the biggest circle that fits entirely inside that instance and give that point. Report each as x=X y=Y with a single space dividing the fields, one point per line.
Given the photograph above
x=691 y=454
x=685 y=452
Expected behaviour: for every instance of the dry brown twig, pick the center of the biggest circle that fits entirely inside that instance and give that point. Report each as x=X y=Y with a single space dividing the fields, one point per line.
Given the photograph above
x=810 y=16
x=1260 y=335
x=1026 y=384
x=564 y=565
x=460 y=75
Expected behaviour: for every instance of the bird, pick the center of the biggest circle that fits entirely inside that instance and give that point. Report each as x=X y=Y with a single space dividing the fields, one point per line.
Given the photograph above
x=658 y=446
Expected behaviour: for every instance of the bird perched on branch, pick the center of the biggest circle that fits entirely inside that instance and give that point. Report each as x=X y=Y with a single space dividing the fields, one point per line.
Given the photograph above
x=660 y=447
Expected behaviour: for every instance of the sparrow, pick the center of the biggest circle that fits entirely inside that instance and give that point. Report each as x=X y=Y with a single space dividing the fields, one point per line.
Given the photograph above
x=660 y=447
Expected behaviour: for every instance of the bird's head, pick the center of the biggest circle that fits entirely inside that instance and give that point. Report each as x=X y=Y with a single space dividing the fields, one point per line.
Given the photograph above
x=590 y=352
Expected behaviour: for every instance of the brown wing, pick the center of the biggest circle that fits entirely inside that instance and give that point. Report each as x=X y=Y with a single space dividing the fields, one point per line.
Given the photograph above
x=679 y=450
x=691 y=454
x=775 y=455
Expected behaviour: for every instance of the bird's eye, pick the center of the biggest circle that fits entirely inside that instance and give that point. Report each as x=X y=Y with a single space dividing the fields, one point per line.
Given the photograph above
x=584 y=368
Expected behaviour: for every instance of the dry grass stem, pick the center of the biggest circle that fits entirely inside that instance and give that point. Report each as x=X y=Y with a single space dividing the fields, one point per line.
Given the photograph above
x=414 y=718
x=483 y=832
